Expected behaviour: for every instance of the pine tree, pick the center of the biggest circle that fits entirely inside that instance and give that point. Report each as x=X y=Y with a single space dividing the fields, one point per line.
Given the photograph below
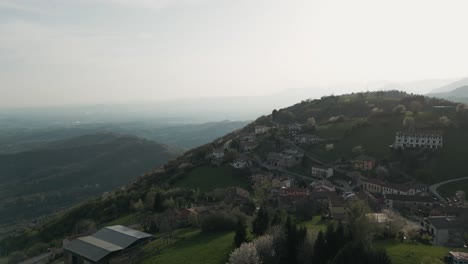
x=241 y=234
x=158 y=205
x=320 y=248
x=261 y=222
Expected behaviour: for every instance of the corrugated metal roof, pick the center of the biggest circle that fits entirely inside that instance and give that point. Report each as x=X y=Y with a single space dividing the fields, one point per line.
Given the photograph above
x=120 y=235
x=105 y=241
x=91 y=248
x=128 y=231
x=100 y=243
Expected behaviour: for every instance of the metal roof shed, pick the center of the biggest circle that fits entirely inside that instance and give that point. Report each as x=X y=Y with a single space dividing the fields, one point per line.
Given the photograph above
x=121 y=236
x=102 y=245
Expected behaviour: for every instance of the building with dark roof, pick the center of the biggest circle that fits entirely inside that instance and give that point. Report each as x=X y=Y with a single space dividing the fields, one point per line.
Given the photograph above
x=445 y=231
x=103 y=245
x=396 y=201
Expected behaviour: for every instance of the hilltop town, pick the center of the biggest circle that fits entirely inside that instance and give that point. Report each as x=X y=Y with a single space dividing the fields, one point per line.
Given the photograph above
x=319 y=167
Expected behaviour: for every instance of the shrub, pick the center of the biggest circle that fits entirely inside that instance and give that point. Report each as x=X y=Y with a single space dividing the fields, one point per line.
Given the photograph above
x=218 y=222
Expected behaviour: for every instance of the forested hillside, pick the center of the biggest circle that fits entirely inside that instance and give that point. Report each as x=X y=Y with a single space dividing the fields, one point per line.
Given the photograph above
x=62 y=173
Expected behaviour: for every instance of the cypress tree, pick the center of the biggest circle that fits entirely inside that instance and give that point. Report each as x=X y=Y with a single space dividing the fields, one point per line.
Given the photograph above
x=261 y=222
x=320 y=256
x=241 y=234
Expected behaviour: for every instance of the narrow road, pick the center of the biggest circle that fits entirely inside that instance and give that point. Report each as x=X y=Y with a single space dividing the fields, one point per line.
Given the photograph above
x=433 y=188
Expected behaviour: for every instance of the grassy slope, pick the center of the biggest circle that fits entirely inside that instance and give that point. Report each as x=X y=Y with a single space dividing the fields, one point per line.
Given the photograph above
x=407 y=253
x=195 y=247
x=47 y=179
x=366 y=137
x=449 y=189
x=316 y=224
x=379 y=134
x=207 y=178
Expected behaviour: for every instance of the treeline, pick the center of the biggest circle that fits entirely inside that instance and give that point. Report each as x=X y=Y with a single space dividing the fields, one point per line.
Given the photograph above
x=279 y=240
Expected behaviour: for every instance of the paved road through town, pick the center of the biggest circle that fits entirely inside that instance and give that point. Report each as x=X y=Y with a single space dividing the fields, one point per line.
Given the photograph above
x=433 y=188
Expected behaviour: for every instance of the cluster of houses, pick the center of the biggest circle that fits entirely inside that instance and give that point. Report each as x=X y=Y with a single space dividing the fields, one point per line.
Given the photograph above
x=285 y=159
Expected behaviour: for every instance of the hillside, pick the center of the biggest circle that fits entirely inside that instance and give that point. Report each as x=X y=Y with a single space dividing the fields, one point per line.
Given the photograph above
x=346 y=126
x=57 y=175
x=460 y=94
x=451 y=86
x=16 y=136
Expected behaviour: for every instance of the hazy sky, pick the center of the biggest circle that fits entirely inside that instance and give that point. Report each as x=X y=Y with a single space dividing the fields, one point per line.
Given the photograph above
x=99 y=51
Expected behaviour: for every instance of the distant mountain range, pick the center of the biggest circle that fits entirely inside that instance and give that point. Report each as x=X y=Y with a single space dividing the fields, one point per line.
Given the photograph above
x=62 y=173
x=451 y=86
x=456 y=91
x=17 y=138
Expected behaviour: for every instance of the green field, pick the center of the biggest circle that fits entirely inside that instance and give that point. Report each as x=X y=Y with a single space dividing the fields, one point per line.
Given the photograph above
x=449 y=189
x=316 y=224
x=379 y=134
x=448 y=163
x=408 y=253
x=377 y=146
x=208 y=178
x=195 y=247
x=126 y=220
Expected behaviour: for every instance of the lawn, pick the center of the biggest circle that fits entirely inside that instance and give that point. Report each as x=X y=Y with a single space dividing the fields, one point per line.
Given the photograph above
x=375 y=138
x=208 y=178
x=195 y=248
x=448 y=164
x=408 y=253
x=316 y=224
x=126 y=220
x=449 y=189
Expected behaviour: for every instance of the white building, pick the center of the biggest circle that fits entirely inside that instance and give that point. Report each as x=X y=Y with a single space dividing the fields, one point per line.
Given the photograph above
x=218 y=153
x=261 y=129
x=306 y=139
x=429 y=140
x=320 y=171
x=240 y=164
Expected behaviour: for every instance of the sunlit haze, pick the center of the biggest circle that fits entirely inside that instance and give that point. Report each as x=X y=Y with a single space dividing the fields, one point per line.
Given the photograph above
x=55 y=52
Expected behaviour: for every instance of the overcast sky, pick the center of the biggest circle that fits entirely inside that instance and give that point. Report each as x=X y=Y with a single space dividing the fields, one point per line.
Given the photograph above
x=102 y=51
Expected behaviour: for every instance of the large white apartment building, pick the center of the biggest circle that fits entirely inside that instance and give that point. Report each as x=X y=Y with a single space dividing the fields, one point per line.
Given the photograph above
x=429 y=140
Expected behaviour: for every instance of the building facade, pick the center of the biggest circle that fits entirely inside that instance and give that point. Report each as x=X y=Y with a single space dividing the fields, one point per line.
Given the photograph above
x=428 y=140
x=322 y=172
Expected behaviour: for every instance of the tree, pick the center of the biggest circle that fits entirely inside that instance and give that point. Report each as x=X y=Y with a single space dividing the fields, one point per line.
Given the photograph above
x=274 y=114
x=399 y=109
x=461 y=108
x=357 y=253
x=241 y=234
x=15 y=257
x=261 y=190
x=409 y=123
x=445 y=121
x=320 y=249
x=311 y=123
x=415 y=107
x=158 y=204
x=358 y=150
x=231 y=155
x=245 y=254
x=261 y=222
x=360 y=226
x=382 y=172
x=265 y=248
